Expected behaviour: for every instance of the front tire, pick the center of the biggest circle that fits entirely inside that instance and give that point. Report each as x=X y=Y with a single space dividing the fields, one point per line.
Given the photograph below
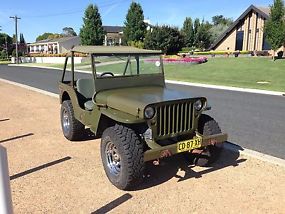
x=72 y=128
x=122 y=156
x=210 y=154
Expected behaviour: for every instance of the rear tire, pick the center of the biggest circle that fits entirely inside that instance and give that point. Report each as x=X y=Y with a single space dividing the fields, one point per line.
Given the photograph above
x=122 y=156
x=72 y=128
x=210 y=154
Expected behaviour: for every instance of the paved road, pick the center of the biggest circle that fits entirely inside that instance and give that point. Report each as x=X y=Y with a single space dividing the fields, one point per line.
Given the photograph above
x=252 y=121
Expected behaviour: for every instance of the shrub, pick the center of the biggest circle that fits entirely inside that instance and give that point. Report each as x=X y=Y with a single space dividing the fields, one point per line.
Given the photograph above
x=137 y=44
x=220 y=52
x=165 y=38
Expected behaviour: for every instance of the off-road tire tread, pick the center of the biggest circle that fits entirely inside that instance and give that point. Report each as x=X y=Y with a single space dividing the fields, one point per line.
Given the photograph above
x=209 y=126
x=132 y=148
x=77 y=129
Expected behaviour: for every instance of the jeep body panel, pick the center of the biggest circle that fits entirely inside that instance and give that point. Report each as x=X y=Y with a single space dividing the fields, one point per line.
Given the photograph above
x=134 y=100
x=124 y=99
x=92 y=118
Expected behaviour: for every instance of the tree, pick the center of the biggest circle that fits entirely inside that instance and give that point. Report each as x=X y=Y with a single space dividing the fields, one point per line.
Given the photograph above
x=216 y=31
x=188 y=32
x=3 y=38
x=68 y=31
x=202 y=35
x=6 y=45
x=221 y=20
x=275 y=26
x=165 y=38
x=43 y=36
x=22 y=39
x=135 y=28
x=92 y=32
x=55 y=36
x=219 y=25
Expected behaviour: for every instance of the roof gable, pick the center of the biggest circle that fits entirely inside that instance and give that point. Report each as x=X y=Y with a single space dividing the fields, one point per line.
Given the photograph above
x=263 y=11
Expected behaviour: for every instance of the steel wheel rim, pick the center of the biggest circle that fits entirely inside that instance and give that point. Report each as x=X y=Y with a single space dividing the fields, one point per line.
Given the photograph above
x=113 y=159
x=65 y=121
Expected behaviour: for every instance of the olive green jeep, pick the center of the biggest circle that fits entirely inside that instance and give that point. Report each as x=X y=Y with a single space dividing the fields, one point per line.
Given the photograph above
x=126 y=102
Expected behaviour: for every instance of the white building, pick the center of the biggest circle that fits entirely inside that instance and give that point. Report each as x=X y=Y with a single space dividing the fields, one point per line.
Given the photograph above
x=54 y=46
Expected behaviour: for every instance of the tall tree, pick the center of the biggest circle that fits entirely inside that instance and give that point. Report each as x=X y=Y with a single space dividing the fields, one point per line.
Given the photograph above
x=275 y=26
x=68 y=31
x=188 y=32
x=22 y=39
x=92 y=32
x=195 y=29
x=135 y=28
x=203 y=35
x=220 y=19
x=165 y=38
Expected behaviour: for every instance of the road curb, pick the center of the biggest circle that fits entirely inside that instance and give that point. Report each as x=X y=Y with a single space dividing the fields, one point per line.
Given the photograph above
x=45 y=67
x=228 y=146
x=228 y=88
x=254 y=154
x=220 y=87
x=30 y=88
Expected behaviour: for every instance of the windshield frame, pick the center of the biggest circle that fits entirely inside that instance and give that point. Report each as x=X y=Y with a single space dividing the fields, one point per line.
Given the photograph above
x=96 y=75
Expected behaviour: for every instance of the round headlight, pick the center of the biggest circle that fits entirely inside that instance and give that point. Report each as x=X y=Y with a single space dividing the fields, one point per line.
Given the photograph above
x=149 y=112
x=198 y=105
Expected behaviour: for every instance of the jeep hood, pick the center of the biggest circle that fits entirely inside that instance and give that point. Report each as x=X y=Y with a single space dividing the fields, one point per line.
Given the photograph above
x=134 y=100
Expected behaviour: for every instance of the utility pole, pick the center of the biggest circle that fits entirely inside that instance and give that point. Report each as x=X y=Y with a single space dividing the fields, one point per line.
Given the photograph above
x=16 y=35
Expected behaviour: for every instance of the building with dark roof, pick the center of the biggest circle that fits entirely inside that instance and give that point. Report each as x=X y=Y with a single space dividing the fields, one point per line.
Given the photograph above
x=113 y=36
x=246 y=33
x=54 y=46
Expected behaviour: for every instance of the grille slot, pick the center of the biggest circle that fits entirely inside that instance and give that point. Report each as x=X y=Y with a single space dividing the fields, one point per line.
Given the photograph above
x=174 y=118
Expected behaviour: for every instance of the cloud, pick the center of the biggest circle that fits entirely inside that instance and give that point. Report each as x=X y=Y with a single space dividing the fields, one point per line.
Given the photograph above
x=110 y=9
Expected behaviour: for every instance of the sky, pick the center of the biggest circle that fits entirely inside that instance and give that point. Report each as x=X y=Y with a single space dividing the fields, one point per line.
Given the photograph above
x=38 y=17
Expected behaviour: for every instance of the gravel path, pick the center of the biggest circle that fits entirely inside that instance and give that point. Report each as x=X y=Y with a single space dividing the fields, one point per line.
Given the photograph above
x=51 y=175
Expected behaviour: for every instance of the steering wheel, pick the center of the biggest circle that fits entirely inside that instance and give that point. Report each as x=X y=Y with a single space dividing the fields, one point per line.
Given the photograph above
x=107 y=73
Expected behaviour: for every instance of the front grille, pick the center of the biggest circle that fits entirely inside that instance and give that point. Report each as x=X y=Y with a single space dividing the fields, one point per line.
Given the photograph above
x=174 y=118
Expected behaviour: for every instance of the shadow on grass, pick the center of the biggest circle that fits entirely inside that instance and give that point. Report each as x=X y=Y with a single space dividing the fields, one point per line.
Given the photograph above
x=156 y=175
x=29 y=171
x=113 y=204
x=16 y=137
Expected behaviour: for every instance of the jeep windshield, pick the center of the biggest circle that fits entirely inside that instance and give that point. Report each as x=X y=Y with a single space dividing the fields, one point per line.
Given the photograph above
x=120 y=61
x=128 y=65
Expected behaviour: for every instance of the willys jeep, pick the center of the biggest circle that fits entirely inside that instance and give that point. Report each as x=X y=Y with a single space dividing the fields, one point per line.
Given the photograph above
x=139 y=119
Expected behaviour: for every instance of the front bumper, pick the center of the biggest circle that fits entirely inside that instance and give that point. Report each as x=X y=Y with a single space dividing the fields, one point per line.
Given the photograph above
x=169 y=150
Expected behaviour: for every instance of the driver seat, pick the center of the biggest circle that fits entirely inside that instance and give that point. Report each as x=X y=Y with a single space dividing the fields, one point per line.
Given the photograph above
x=86 y=88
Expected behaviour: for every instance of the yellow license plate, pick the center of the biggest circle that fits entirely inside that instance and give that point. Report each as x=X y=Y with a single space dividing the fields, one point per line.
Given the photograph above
x=189 y=144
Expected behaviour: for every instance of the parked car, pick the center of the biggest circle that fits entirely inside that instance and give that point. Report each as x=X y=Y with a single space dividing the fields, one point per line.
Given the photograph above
x=139 y=119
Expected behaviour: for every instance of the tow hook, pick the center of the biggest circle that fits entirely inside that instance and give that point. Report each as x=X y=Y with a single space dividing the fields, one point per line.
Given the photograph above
x=163 y=154
x=213 y=142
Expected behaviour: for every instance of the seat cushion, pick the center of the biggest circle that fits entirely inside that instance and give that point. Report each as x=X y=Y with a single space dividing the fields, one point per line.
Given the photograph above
x=86 y=87
x=89 y=105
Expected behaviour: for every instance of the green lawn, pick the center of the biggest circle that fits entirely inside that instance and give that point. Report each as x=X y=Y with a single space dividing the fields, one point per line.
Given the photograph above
x=242 y=72
x=5 y=62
